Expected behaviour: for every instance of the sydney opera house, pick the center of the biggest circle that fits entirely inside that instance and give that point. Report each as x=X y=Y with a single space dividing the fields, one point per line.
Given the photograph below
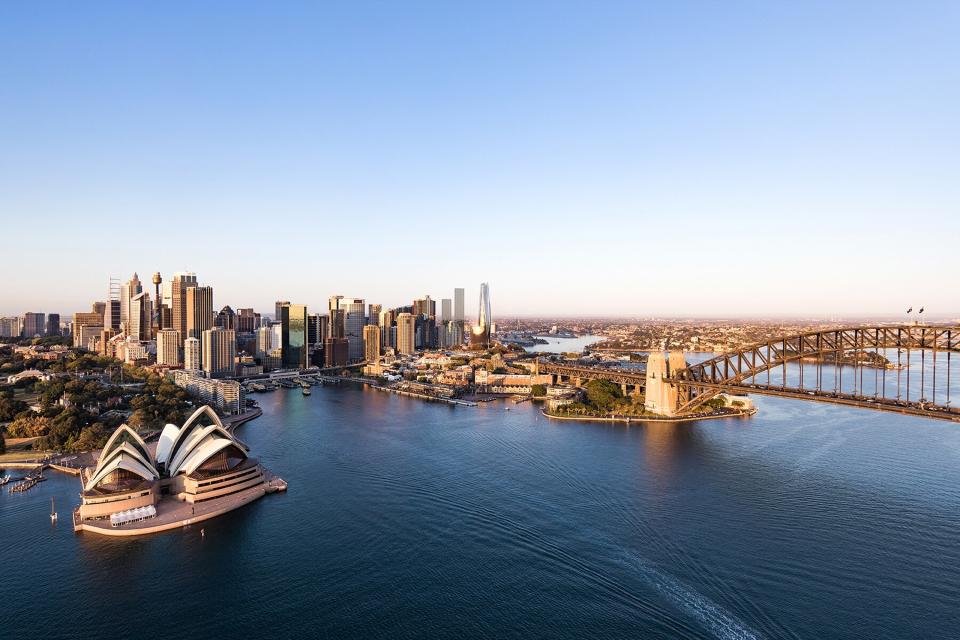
x=193 y=472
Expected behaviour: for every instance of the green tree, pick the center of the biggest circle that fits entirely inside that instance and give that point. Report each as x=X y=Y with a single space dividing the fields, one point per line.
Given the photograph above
x=3 y=444
x=538 y=390
x=602 y=394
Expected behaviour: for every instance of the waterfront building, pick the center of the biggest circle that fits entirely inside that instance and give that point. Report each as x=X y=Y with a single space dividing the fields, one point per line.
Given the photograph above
x=199 y=310
x=353 y=322
x=293 y=336
x=336 y=352
x=34 y=324
x=200 y=462
x=192 y=357
x=406 y=334
x=273 y=359
x=182 y=282
x=53 y=324
x=219 y=352
x=227 y=396
x=168 y=348
x=318 y=329
x=371 y=343
x=480 y=335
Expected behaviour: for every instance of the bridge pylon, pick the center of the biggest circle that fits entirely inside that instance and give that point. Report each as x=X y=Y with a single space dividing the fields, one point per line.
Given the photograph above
x=661 y=395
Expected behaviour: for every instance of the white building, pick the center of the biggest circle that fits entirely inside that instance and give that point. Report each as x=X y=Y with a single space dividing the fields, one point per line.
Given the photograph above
x=191 y=354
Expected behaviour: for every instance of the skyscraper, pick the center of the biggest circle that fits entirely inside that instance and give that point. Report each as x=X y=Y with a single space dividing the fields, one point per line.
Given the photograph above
x=219 y=352
x=406 y=334
x=192 y=358
x=34 y=324
x=425 y=306
x=371 y=343
x=458 y=313
x=128 y=290
x=353 y=320
x=278 y=306
x=293 y=322
x=53 y=324
x=480 y=337
x=386 y=323
x=139 y=313
x=182 y=281
x=157 y=319
x=199 y=310
x=446 y=310
x=373 y=313
x=248 y=320
x=168 y=348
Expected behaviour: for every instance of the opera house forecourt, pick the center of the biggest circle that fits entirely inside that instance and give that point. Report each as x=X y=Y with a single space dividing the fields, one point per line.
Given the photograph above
x=192 y=473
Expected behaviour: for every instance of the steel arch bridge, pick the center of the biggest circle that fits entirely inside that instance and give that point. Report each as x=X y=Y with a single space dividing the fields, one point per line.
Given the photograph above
x=861 y=352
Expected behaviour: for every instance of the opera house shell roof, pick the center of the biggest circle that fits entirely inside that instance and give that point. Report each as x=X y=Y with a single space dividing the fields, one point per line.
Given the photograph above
x=202 y=446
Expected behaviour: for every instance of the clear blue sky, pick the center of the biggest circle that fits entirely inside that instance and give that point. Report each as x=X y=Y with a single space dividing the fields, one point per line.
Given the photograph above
x=640 y=158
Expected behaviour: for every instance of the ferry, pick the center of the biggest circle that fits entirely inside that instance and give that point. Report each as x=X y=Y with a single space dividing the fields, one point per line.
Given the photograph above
x=305 y=391
x=4 y=480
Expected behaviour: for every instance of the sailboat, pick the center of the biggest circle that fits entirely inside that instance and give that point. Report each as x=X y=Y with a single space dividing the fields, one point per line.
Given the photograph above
x=53 y=513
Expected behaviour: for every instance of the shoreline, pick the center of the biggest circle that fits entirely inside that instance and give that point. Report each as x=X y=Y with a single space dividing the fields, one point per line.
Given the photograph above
x=631 y=419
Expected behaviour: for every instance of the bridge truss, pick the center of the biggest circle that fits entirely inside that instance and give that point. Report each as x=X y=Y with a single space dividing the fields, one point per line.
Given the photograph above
x=841 y=363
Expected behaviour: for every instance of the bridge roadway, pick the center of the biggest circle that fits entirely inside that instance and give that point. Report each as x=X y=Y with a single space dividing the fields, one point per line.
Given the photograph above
x=618 y=376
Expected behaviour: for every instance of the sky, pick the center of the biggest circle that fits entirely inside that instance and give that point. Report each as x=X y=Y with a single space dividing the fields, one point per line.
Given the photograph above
x=592 y=158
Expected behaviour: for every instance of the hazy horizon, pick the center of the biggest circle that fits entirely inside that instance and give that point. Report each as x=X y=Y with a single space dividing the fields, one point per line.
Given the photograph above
x=617 y=160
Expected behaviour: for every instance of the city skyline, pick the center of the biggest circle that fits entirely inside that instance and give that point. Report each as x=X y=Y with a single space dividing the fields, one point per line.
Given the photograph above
x=639 y=160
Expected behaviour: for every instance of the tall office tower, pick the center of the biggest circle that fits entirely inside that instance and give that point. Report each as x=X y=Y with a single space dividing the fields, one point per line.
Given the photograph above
x=278 y=306
x=318 y=330
x=111 y=310
x=86 y=324
x=199 y=310
x=338 y=323
x=192 y=360
x=480 y=337
x=248 y=320
x=10 y=328
x=53 y=324
x=334 y=302
x=227 y=319
x=166 y=291
x=157 y=319
x=265 y=341
x=34 y=324
x=128 y=290
x=139 y=313
x=336 y=352
x=386 y=321
x=219 y=352
x=99 y=307
x=353 y=321
x=406 y=334
x=182 y=282
x=293 y=327
x=458 y=313
x=373 y=313
x=371 y=343
x=446 y=310
x=425 y=307
x=168 y=348
x=166 y=318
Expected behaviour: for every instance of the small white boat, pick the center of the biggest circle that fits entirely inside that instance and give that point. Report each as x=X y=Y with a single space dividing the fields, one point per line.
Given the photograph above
x=4 y=480
x=305 y=391
x=53 y=513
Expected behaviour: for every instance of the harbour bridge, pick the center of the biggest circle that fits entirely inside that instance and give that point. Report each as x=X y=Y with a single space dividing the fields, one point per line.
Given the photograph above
x=901 y=368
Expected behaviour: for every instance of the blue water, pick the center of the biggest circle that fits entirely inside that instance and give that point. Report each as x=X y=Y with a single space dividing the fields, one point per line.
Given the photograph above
x=408 y=519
